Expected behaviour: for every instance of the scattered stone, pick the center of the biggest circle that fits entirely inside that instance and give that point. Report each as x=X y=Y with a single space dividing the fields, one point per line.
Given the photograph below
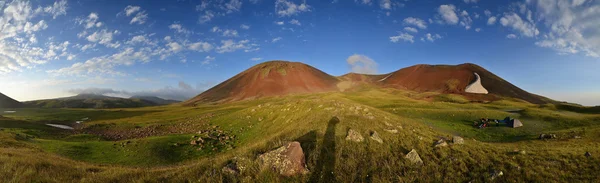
x=371 y=117
x=354 y=136
x=588 y=154
x=577 y=137
x=253 y=110
x=287 y=160
x=440 y=143
x=495 y=174
x=458 y=140
x=400 y=127
x=375 y=137
x=414 y=157
x=260 y=119
x=387 y=124
x=235 y=166
x=522 y=152
x=547 y=136
x=394 y=131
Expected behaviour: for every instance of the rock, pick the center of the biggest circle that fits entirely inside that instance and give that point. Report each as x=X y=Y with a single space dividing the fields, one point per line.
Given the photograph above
x=354 y=136
x=193 y=142
x=375 y=137
x=588 y=154
x=391 y=130
x=414 y=157
x=386 y=123
x=495 y=174
x=577 y=137
x=547 y=136
x=235 y=166
x=287 y=160
x=440 y=143
x=458 y=140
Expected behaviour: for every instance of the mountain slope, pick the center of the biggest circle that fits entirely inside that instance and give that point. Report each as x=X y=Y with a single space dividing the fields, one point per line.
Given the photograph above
x=156 y=100
x=454 y=79
x=274 y=78
x=7 y=102
x=91 y=101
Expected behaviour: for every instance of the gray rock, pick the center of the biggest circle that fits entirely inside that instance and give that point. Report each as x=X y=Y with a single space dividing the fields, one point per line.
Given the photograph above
x=376 y=138
x=588 y=154
x=440 y=143
x=354 y=136
x=495 y=174
x=458 y=140
x=394 y=131
x=287 y=160
x=414 y=157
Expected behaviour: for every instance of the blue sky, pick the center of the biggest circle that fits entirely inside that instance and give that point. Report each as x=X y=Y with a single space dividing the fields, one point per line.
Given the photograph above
x=177 y=49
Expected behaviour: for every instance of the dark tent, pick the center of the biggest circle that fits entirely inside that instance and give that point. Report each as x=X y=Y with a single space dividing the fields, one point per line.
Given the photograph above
x=514 y=123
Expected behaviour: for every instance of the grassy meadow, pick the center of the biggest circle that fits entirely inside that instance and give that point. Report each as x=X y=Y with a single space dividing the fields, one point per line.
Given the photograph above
x=152 y=144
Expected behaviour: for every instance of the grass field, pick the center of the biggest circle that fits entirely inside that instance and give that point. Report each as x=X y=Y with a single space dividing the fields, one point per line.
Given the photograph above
x=153 y=144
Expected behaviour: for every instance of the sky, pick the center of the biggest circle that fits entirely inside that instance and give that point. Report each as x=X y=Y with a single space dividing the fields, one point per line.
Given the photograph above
x=177 y=49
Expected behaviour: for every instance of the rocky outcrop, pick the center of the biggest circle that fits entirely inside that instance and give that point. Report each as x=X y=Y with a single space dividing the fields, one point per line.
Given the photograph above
x=440 y=143
x=287 y=160
x=354 y=136
x=476 y=86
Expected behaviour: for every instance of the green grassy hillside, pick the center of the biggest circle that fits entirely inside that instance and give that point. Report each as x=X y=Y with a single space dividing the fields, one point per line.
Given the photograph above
x=152 y=144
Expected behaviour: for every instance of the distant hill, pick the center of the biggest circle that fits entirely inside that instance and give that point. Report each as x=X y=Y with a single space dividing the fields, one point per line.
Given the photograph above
x=274 y=78
x=156 y=100
x=278 y=78
x=7 y=102
x=454 y=79
x=91 y=101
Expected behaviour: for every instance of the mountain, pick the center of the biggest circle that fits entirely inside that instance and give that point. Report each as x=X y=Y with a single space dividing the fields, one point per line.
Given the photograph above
x=274 y=78
x=156 y=100
x=7 y=102
x=454 y=79
x=91 y=101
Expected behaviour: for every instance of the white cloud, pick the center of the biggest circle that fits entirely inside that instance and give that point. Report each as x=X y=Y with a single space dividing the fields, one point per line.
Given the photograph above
x=279 y=23
x=295 y=22
x=179 y=28
x=465 y=20
x=289 y=8
x=368 y=2
x=230 y=33
x=256 y=59
x=478 y=30
x=410 y=29
x=206 y=17
x=216 y=29
x=431 y=38
x=200 y=46
x=416 y=22
x=231 y=46
x=402 y=36
x=276 y=39
x=233 y=6
x=174 y=47
x=104 y=64
x=362 y=64
x=491 y=20
x=57 y=9
x=91 y=21
x=448 y=14
x=130 y=10
x=487 y=13
x=208 y=60
x=511 y=36
x=471 y=1
x=244 y=26
x=515 y=22
x=140 y=15
x=104 y=37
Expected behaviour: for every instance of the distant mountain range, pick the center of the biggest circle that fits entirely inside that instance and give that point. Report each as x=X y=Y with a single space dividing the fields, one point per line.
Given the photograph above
x=99 y=102
x=7 y=102
x=278 y=78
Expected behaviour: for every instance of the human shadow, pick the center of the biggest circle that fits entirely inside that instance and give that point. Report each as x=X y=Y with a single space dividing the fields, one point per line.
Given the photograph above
x=325 y=168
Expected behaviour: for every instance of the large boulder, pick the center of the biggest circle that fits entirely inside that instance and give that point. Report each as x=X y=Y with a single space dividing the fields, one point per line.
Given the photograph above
x=354 y=136
x=287 y=160
x=414 y=157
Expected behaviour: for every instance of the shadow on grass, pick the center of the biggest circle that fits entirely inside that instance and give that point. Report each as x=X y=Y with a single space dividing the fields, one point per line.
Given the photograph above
x=324 y=170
